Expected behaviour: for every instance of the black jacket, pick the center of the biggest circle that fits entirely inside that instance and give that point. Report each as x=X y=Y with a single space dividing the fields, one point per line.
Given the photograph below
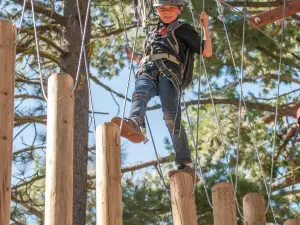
x=155 y=43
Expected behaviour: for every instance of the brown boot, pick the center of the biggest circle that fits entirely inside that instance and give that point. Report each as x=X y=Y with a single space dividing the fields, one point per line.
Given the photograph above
x=130 y=130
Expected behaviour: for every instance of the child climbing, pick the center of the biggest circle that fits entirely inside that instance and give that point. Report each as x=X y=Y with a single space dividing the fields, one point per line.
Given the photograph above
x=165 y=69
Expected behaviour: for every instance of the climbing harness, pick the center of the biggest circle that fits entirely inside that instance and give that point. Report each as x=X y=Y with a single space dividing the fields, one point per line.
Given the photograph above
x=155 y=57
x=187 y=65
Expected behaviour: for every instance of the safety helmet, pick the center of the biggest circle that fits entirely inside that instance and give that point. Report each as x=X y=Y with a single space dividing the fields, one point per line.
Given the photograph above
x=157 y=3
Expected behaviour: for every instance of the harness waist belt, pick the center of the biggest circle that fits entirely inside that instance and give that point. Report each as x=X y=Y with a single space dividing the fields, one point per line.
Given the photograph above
x=160 y=56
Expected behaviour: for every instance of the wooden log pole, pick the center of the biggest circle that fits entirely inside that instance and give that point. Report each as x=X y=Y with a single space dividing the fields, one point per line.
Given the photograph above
x=183 y=198
x=254 y=209
x=108 y=175
x=59 y=153
x=7 y=85
x=292 y=222
x=224 y=204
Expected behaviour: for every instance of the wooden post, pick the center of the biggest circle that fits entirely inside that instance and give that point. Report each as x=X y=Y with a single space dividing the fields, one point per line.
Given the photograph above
x=108 y=175
x=275 y=14
x=183 y=198
x=292 y=222
x=224 y=204
x=7 y=85
x=59 y=155
x=254 y=209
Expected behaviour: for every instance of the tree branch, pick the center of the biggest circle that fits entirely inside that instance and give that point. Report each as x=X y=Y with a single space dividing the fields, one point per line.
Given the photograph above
x=22 y=79
x=275 y=77
x=140 y=166
x=113 y=32
x=47 y=41
x=31 y=209
x=273 y=56
x=21 y=120
x=145 y=165
x=25 y=96
x=42 y=28
x=286 y=183
x=25 y=183
x=97 y=81
x=45 y=11
x=32 y=51
x=286 y=110
x=250 y=105
x=29 y=149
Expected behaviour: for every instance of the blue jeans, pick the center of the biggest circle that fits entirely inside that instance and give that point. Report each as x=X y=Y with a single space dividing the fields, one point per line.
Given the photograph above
x=148 y=84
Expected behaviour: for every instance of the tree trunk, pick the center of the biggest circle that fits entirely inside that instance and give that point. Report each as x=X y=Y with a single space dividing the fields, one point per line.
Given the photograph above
x=72 y=35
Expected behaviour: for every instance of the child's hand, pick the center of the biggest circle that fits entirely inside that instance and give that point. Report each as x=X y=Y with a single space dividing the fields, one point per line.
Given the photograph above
x=132 y=55
x=128 y=51
x=204 y=19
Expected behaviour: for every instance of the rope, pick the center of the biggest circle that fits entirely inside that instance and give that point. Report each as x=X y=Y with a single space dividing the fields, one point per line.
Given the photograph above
x=131 y=62
x=199 y=89
x=144 y=13
x=82 y=41
x=239 y=13
x=38 y=51
x=240 y=102
x=157 y=157
x=221 y=16
x=22 y=17
x=129 y=78
x=194 y=143
x=124 y=22
x=277 y=106
x=215 y=112
x=221 y=138
x=86 y=67
x=240 y=114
